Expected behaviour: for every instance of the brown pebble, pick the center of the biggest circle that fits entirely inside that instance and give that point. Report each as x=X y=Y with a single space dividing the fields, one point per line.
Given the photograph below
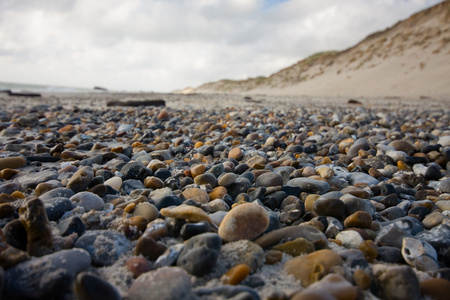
x=296 y=247
x=369 y=249
x=149 y=248
x=236 y=153
x=362 y=279
x=236 y=274
x=273 y=257
x=359 y=219
x=12 y=162
x=138 y=265
x=8 y=173
x=153 y=182
x=436 y=288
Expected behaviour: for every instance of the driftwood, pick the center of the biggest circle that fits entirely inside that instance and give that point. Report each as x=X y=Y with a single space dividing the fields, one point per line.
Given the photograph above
x=136 y=103
x=21 y=94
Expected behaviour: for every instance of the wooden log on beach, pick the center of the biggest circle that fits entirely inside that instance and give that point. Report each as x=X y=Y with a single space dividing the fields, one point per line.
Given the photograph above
x=136 y=103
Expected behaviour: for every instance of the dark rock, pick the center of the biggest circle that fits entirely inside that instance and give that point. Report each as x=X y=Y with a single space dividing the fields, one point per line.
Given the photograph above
x=330 y=207
x=71 y=225
x=200 y=254
x=56 y=207
x=47 y=277
x=135 y=170
x=390 y=254
x=58 y=192
x=16 y=234
x=89 y=286
x=189 y=230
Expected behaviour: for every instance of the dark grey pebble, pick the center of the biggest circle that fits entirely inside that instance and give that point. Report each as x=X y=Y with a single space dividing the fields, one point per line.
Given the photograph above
x=71 y=225
x=46 y=277
x=200 y=254
x=56 y=207
x=89 y=286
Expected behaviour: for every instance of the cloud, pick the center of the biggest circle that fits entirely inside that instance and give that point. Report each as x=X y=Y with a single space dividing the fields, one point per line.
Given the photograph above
x=165 y=45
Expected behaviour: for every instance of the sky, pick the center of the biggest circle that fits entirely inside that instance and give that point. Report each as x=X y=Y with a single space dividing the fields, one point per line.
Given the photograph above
x=167 y=45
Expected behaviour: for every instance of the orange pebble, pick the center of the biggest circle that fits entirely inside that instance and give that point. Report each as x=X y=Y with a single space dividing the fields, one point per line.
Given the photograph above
x=117 y=149
x=198 y=144
x=130 y=208
x=236 y=274
x=137 y=144
x=18 y=195
x=402 y=165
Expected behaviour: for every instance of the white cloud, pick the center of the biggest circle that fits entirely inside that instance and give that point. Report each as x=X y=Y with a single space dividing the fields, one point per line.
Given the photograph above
x=164 y=45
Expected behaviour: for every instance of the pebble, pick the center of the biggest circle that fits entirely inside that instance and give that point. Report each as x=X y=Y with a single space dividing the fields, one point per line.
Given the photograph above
x=397 y=282
x=312 y=267
x=310 y=185
x=245 y=221
x=196 y=194
x=13 y=162
x=104 y=246
x=332 y=286
x=89 y=286
x=88 y=201
x=165 y=283
x=199 y=255
x=81 y=179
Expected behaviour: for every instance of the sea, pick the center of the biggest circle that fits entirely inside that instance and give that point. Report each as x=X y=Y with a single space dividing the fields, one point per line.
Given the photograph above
x=35 y=88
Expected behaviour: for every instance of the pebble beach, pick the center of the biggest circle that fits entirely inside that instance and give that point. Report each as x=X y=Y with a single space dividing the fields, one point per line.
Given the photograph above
x=224 y=197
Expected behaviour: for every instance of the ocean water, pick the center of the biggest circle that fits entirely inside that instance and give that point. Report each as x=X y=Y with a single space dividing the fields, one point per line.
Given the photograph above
x=34 y=88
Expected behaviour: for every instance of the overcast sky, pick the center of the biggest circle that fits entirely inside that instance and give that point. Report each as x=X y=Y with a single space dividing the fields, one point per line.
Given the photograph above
x=163 y=45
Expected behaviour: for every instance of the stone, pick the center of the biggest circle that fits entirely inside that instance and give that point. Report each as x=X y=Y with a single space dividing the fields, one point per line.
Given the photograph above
x=433 y=219
x=443 y=204
x=396 y=282
x=186 y=212
x=444 y=185
x=189 y=230
x=90 y=286
x=325 y=172
x=236 y=274
x=153 y=182
x=359 y=219
x=359 y=144
x=146 y=210
x=196 y=194
x=244 y=221
x=332 y=286
x=56 y=207
x=435 y=288
x=269 y=179
x=236 y=153
x=243 y=252
x=296 y=247
x=308 y=232
x=199 y=256
x=330 y=207
x=310 y=185
x=135 y=170
x=57 y=192
x=312 y=267
x=354 y=204
x=166 y=283
x=138 y=265
x=46 y=277
x=71 y=225
x=81 y=179
x=165 y=201
x=104 y=246
x=88 y=201
x=433 y=172
x=391 y=236
x=39 y=235
x=30 y=179
x=114 y=182
x=226 y=179
x=207 y=178
x=400 y=145
x=350 y=239
x=356 y=178
x=148 y=247
x=240 y=185
x=13 y=162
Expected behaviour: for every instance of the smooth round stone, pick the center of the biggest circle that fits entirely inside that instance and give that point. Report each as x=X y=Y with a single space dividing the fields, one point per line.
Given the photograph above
x=196 y=194
x=435 y=288
x=444 y=185
x=148 y=247
x=243 y=252
x=244 y=221
x=325 y=172
x=146 y=210
x=156 y=164
x=332 y=286
x=330 y=207
x=199 y=255
x=310 y=185
x=269 y=179
x=236 y=153
x=218 y=192
x=206 y=178
x=236 y=274
x=350 y=239
x=296 y=247
x=138 y=265
x=444 y=141
x=433 y=219
x=391 y=236
x=309 y=171
x=433 y=172
x=166 y=283
x=153 y=182
x=13 y=162
x=9 y=188
x=359 y=219
x=197 y=170
x=104 y=246
x=443 y=204
x=166 y=201
x=88 y=201
x=57 y=192
x=216 y=170
x=227 y=179
x=90 y=286
x=354 y=204
x=312 y=267
x=419 y=254
x=189 y=230
x=393 y=213
x=114 y=182
x=71 y=225
x=402 y=146
x=8 y=173
x=396 y=282
x=185 y=212
x=135 y=170
x=362 y=178
x=217 y=205
x=81 y=179
x=390 y=254
x=241 y=185
x=47 y=277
